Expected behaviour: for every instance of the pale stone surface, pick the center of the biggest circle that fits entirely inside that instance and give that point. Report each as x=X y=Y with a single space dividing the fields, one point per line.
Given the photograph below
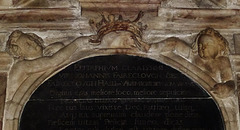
x=236 y=43
x=5 y=64
x=25 y=64
x=118 y=6
x=233 y=4
x=222 y=88
x=44 y=3
x=62 y=23
x=170 y=37
x=186 y=3
x=3 y=38
x=192 y=20
x=3 y=85
x=24 y=72
x=211 y=56
x=173 y=48
x=5 y=2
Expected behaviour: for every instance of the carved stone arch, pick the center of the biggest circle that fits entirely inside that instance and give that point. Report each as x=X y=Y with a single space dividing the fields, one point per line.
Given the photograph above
x=15 y=107
x=125 y=37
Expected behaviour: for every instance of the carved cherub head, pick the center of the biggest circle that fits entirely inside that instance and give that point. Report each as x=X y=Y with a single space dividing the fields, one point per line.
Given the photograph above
x=24 y=46
x=210 y=44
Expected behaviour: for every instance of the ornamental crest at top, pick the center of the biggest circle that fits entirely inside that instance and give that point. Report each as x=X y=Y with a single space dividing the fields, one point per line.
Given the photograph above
x=111 y=24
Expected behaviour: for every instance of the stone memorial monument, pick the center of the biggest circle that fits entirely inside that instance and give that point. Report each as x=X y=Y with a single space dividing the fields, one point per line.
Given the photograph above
x=119 y=65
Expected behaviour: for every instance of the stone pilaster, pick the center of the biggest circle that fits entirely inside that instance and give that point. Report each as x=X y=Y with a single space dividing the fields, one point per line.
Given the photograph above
x=5 y=64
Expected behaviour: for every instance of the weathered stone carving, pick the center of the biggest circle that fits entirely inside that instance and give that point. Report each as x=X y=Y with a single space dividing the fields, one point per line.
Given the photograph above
x=32 y=57
x=32 y=62
x=132 y=32
x=213 y=51
x=209 y=53
x=29 y=46
x=24 y=46
x=209 y=61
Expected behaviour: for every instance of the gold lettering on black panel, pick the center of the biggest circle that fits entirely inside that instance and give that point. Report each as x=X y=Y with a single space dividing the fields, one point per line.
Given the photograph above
x=133 y=94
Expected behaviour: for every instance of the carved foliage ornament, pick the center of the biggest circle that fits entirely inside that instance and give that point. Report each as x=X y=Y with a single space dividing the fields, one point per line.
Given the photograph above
x=110 y=24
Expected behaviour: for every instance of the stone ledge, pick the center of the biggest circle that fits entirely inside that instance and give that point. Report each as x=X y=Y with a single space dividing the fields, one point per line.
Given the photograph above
x=122 y=1
x=120 y=5
x=181 y=18
x=38 y=15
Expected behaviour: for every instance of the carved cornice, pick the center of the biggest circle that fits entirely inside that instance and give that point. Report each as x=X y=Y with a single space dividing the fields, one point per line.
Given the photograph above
x=120 y=5
x=41 y=18
x=195 y=19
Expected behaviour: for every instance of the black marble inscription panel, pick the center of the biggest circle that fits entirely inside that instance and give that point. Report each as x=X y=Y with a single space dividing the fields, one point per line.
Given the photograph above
x=120 y=93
